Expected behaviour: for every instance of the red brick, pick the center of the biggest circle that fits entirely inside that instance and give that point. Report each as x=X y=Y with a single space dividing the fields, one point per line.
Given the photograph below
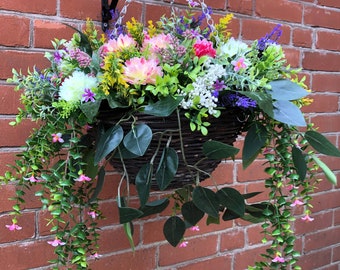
x=9 y=100
x=337 y=217
x=14 y=24
x=253 y=29
x=155 y=12
x=45 y=31
x=80 y=9
x=217 y=262
x=222 y=175
x=293 y=57
x=324 y=17
x=134 y=10
x=328 y=40
x=321 y=221
x=26 y=221
x=257 y=187
x=326 y=82
x=302 y=37
x=20 y=61
x=254 y=172
x=329 y=3
x=211 y=3
x=321 y=61
x=26 y=255
x=322 y=239
x=197 y=247
x=279 y=9
x=326 y=201
x=231 y=240
x=142 y=259
x=241 y=6
x=33 y=6
x=114 y=239
x=6 y=157
x=327 y=123
x=153 y=231
x=315 y=259
x=246 y=258
x=323 y=103
x=336 y=254
x=18 y=134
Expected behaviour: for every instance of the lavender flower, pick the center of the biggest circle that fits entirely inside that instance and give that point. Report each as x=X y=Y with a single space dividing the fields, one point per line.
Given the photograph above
x=270 y=38
x=237 y=100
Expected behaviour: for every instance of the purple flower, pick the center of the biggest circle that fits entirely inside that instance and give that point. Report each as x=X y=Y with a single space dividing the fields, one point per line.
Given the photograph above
x=88 y=95
x=57 y=56
x=245 y=102
x=270 y=38
x=219 y=85
x=237 y=100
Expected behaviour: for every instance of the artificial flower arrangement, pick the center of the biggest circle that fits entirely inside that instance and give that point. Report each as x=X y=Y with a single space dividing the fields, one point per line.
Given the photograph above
x=96 y=103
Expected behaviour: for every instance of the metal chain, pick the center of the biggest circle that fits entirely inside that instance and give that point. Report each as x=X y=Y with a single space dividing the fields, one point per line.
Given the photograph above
x=122 y=14
x=209 y=19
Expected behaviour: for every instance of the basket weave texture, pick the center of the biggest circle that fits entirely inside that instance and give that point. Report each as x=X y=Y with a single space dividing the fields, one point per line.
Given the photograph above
x=224 y=129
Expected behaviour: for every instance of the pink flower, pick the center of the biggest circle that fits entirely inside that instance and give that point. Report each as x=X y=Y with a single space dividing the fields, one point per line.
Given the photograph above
x=195 y=228
x=183 y=244
x=93 y=214
x=157 y=42
x=95 y=256
x=119 y=44
x=83 y=178
x=141 y=71
x=204 y=47
x=56 y=242
x=290 y=187
x=307 y=218
x=296 y=202
x=278 y=258
x=239 y=64
x=13 y=227
x=57 y=137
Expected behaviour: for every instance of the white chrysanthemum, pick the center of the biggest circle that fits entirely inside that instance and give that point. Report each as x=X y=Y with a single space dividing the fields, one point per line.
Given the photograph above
x=74 y=86
x=233 y=47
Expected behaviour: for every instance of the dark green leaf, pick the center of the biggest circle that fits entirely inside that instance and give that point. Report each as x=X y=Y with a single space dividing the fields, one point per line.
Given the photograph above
x=252 y=219
x=108 y=142
x=229 y=215
x=143 y=183
x=163 y=107
x=217 y=150
x=331 y=177
x=213 y=220
x=299 y=163
x=90 y=109
x=286 y=90
x=127 y=214
x=84 y=43
x=232 y=199
x=167 y=168
x=173 y=230
x=100 y=183
x=138 y=139
x=206 y=200
x=113 y=103
x=191 y=213
x=263 y=100
x=288 y=113
x=255 y=139
x=321 y=144
x=124 y=153
x=251 y=195
x=154 y=207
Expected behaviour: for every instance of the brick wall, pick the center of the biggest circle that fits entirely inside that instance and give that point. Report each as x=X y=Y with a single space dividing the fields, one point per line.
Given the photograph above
x=311 y=39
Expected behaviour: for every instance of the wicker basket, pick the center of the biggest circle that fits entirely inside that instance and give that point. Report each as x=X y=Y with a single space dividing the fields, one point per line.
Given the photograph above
x=225 y=129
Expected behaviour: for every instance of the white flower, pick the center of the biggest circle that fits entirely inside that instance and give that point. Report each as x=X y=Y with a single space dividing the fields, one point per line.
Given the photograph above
x=233 y=47
x=74 y=86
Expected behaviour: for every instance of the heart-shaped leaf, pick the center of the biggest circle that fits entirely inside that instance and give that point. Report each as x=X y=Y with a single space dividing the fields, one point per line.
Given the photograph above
x=255 y=139
x=138 y=139
x=154 y=207
x=90 y=109
x=108 y=142
x=167 y=168
x=206 y=200
x=191 y=213
x=232 y=199
x=299 y=163
x=173 y=230
x=127 y=214
x=229 y=215
x=321 y=144
x=163 y=107
x=217 y=150
x=143 y=183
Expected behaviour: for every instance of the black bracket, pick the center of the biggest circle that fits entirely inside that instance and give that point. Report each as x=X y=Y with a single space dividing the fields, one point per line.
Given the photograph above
x=106 y=14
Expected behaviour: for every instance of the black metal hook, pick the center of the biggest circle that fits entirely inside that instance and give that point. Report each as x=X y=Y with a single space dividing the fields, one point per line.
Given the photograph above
x=106 y=14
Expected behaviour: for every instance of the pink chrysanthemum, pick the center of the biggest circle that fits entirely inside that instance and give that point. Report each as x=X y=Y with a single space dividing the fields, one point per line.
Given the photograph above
x=119 y=44
x=157 y=42
x=141 y=71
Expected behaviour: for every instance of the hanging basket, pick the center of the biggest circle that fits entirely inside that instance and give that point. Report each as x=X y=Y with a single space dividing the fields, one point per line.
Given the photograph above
x=224 y=129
